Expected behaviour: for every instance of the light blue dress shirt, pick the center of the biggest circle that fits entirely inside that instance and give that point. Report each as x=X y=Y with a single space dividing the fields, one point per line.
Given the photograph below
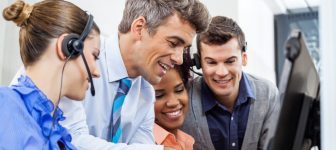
x=26 y=120
x=137 y=111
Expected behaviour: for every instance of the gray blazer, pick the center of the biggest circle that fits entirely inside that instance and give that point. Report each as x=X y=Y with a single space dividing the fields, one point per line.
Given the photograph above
x=261 y=124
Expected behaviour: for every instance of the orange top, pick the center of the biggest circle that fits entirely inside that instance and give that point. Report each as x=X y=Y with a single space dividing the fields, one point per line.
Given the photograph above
x=183 y=141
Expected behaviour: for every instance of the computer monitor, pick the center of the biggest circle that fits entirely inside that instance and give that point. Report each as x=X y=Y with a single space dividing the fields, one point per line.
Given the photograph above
x=299 y=124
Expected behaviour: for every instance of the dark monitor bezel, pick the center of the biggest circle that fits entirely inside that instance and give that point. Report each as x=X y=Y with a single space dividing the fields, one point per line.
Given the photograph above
x=299 y=91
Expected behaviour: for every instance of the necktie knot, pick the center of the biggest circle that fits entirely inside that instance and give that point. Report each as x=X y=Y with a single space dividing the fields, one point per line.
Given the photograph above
x=124 y=85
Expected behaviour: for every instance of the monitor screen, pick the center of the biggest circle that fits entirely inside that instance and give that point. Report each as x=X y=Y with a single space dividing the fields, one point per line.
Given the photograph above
x=299 y=94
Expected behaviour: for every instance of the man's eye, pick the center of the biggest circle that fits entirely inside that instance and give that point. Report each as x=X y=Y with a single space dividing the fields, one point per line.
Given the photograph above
x=210 y=62
x=231 y=61
x=172 y=44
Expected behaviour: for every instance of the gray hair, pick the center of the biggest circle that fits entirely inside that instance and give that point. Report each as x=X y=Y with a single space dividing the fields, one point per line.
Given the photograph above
x=156 y=11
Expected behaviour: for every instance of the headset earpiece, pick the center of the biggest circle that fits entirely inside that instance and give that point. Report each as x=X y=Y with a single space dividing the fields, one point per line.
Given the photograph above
x=71 y=45
x=197 y=61
x=244 y=47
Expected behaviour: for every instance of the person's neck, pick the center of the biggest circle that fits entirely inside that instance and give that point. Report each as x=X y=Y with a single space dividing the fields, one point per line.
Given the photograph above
x=47 y=79
x=128 y=53
x=228 y=101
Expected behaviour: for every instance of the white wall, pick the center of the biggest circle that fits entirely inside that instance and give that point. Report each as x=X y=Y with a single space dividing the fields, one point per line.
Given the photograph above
x=254 y=17
x=11 y=53
x=227 y=8
x=107 y=14
x=328 y=79
x=9 y=48
x=2 y=38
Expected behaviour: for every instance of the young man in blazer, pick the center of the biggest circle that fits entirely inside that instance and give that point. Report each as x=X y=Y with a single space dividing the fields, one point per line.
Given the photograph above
x=229 y=108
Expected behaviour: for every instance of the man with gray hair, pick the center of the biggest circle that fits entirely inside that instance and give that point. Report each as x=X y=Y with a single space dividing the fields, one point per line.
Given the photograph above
x=151 y=39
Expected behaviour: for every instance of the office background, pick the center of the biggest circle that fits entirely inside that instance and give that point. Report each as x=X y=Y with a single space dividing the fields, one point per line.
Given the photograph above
x=256 y=17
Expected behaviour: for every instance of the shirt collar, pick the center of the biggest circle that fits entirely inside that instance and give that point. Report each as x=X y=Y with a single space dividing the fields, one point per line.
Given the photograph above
x=209 y=101
x=245 y=90
x=161 y=134
x=116 y=69
x=33 y=97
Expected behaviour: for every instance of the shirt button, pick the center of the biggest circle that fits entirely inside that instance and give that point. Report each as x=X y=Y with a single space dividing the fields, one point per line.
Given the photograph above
x=231 y=118
x=233 y=144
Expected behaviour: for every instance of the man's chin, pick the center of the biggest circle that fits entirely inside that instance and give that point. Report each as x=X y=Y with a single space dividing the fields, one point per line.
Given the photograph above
x=154 y=81
x=222 y=93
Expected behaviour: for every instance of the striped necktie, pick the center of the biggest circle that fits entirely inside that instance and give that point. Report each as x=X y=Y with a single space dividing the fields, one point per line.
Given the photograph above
x=124 y=86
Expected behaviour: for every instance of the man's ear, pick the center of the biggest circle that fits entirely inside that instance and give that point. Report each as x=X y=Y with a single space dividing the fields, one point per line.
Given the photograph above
x=137 y=26
x=59 y=51
x=244 y=58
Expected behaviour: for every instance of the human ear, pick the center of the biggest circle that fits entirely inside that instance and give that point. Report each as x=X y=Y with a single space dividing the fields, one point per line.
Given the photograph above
x=244 y=58
x=59 y=50
x=137 y=26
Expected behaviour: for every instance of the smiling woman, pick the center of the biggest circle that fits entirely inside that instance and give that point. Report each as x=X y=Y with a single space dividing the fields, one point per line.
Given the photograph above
x=55 y=38
x=171 y=107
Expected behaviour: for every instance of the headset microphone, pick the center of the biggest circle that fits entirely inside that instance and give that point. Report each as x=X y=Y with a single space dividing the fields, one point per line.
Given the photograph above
x=192 y=70
x=73 y=45
x=80 y=44
x=93 y=92
x=84 y=34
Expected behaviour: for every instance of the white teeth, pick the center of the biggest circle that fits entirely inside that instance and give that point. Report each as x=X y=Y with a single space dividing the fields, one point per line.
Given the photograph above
x=223 y=81
x=174 y=114
x=164 y=66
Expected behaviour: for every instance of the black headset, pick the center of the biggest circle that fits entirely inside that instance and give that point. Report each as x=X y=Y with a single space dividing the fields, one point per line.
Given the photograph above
x=196 y=61
x=73 y=44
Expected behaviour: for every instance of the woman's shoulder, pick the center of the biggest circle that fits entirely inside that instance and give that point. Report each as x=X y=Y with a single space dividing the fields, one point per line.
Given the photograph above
x=13 y=109
x=8 y=97
x=17 y=124
x=12 y=106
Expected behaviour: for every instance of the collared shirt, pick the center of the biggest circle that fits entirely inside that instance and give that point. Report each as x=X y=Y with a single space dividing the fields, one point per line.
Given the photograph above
x=227 y=129
x=137 y=114
x=182 y=141
x=26 y=120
